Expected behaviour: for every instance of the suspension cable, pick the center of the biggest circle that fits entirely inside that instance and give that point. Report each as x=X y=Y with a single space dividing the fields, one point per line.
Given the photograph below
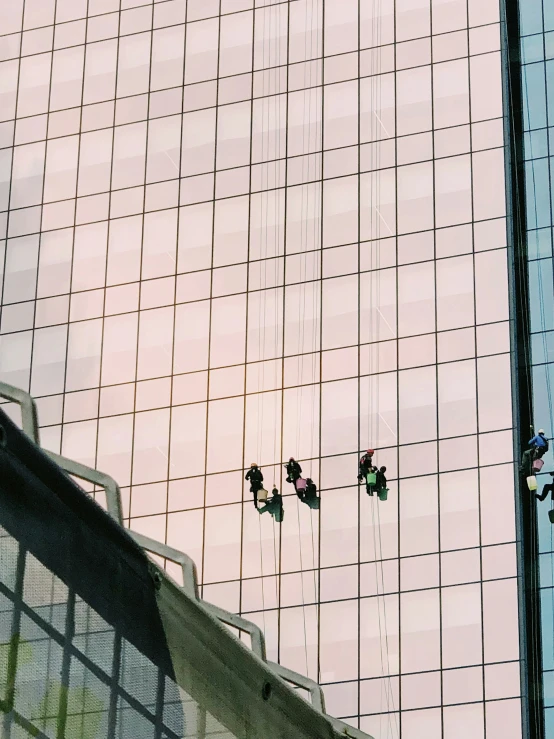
x=374 y=324
x=263 y=292
x=304 y=214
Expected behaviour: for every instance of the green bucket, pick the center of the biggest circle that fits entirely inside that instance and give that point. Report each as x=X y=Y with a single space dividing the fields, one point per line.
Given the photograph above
x=371 y=478
x=383 y=493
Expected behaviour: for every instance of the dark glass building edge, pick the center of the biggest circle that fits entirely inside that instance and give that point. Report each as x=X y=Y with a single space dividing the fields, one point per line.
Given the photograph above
x=536 y=35
x=533 y=717
x=526 y=529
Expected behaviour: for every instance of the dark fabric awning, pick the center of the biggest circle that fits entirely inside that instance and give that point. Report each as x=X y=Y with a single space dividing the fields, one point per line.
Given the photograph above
x=54 y=519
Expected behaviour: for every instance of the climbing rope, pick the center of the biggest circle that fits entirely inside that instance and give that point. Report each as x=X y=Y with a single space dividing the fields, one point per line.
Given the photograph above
x=373 y=399
x=317 y=285
x=270 y=194
x=309 y=17
x=278 y=387
x=267 y=33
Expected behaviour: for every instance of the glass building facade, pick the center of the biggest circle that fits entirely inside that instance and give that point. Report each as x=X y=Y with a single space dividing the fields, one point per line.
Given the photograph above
x=237 y=231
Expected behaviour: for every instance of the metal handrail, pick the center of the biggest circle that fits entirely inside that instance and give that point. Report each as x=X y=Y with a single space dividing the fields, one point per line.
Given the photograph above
x=30 y=427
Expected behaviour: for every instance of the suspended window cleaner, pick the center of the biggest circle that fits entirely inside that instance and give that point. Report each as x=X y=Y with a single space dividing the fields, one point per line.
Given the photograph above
x=307 y=492
x=548 y=488
x=294 y=471
x=274 y=506
x=539 y=443
x=374 y=477
x=531 y=461
x=381 y=484
x=256 y=479
x=305 y=488
x=366 y=465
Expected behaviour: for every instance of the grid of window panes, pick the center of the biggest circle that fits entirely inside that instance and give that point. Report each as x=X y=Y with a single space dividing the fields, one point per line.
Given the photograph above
x=65 y=672
x=239 y=231
x=537 y=51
